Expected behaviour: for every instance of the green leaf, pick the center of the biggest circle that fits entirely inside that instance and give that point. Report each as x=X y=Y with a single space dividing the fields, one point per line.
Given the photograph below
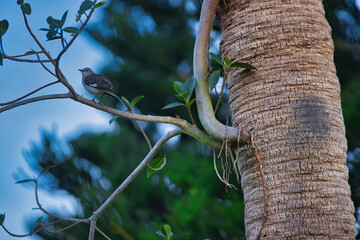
x=78 y=17
x=113 y=119
x=243 y=65
x=126 y=101
x=19 y=2
x=51 y=35
x=214 y=79
x=192 y=101
x=135 y=101
x=2 y=218
x=1 y=59
x=53 y=38
x=35 y=226
x=216 y=58
x=4 y=25
x=32 y=51
x=39 y=219
x=26 y=8
x=99 y=4
x=158 y=162
x=26 y=180
x=86 y=5
x=72 y=30
x=53 y=23
x=166 y=230
x=63 y=19
x=46 y=169
x=189 y=85
x=45 y=29
x=177 y=88
x=185 y=96
x=172 y=105
x=227 y=61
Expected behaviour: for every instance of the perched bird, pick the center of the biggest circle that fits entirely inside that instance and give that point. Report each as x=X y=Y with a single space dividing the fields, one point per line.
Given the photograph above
x=98 y=85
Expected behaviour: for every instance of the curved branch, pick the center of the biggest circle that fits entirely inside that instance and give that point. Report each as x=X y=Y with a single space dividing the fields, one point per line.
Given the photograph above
x=59 y=74
x=26 y=95
x=13 y=58
x=203 y=101
x=131 y=177
x=183 y=124
x=35 y=99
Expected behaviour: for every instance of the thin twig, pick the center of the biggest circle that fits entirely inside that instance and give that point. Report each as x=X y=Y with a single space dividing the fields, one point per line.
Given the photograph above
x=144 y=134
x=257 y=156
x=43 y=65
x=137 y=170
x=191 y=116
x=217 y=172
x=221 y=92
x=24 y=60
x=34 y=99
x=36 y=40
x=26 y=95
x=34 y=232
x=59 y=74
x=62 y=229
x=102 y=233
x=159 y=168
x=92 y=228
x=51 y=214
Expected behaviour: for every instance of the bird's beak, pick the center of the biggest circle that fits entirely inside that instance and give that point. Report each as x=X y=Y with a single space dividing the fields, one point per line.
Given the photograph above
x=80 y=70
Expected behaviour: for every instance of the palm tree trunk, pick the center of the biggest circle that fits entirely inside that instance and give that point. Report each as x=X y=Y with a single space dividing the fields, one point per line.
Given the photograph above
x=293 y=101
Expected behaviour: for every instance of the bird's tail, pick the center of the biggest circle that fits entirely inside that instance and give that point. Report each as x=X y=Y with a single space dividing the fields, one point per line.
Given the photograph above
x=114 y=94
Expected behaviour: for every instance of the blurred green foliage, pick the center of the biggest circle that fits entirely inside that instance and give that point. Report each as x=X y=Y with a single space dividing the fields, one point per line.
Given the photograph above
x=186 y=194
x=152 y=42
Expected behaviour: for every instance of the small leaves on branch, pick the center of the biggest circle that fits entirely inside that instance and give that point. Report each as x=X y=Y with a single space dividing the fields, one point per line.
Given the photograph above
x=4 y=25
x=155 y=164
x=99 y=4
x=56 y=29
x=229 y=64
x=25 y=7
x=72 y=30
x=133 y=102
x=166 y=231
x=25 y=180
x=45 y=170
x=214 y=79
x=129 y=104
x=85 y=5
x=184 y=92
x=2 y=218
x=36 y=225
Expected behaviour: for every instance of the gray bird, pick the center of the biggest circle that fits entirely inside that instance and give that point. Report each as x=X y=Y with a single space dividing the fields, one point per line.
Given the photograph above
x=98 y=85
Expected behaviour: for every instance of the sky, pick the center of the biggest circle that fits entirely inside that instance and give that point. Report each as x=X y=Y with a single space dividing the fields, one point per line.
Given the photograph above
x=20 y=127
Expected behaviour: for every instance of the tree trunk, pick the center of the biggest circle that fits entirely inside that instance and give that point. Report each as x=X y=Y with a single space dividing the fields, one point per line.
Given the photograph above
x=293 y=101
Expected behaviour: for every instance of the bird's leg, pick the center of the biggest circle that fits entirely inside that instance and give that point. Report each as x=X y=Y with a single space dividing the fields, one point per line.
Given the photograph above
x=101 y=99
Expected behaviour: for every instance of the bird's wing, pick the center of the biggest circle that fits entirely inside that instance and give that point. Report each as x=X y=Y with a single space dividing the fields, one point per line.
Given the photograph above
x=98 y=81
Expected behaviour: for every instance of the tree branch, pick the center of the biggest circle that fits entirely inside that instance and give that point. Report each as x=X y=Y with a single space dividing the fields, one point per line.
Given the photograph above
x=35 y=99
x=36 y=90
x=130 y=178
x=203 y=101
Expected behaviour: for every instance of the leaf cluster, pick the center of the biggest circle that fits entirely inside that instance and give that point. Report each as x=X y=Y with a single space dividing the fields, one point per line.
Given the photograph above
x=222 y=67
x=183 y=93
x=4 y=25
x=25 y=7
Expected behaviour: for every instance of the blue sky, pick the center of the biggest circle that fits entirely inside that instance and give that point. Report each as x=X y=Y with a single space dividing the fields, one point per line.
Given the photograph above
x=21 y=126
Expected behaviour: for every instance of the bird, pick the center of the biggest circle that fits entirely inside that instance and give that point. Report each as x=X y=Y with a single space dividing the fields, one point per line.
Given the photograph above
x=98 y=85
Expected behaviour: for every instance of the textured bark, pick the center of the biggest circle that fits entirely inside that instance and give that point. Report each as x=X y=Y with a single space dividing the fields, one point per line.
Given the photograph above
x=293 y=102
